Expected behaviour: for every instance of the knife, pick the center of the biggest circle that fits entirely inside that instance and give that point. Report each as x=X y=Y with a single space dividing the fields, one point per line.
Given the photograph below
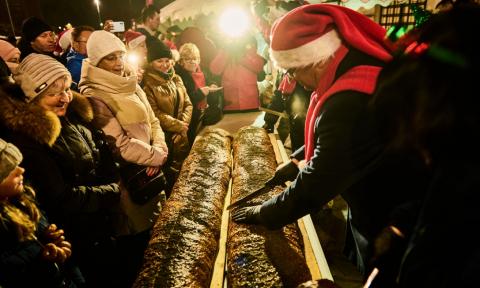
x=264 y=189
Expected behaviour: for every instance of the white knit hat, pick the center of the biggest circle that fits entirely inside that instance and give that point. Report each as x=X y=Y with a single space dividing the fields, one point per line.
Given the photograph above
x=10 y=157
x=101 y=43
x=37 y=72
x=133 y=38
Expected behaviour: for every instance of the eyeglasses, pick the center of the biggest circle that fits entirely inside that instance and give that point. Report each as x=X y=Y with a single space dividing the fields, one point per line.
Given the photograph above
x=191 y=61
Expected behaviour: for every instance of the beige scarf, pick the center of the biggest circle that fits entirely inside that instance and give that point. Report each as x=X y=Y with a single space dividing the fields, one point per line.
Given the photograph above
x=122 y=94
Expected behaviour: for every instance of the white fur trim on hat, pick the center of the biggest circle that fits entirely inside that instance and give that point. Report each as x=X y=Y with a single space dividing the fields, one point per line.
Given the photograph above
x=65 y=40
x=313 y=52
x=101 y=43
x=136 y=41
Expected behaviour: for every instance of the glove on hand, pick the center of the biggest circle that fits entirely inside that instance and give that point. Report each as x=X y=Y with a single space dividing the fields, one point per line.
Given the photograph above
x=247 y=215
x=285 y=172
x=268 y=128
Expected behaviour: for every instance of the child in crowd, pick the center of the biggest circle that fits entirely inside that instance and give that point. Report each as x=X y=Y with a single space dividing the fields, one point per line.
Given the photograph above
x=32 y=253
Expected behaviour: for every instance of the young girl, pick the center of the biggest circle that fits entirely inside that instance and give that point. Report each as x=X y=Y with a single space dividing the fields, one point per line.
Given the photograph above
x=32 y=253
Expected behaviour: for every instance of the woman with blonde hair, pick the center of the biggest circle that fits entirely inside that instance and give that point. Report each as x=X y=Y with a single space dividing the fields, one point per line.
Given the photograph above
x=188 y=68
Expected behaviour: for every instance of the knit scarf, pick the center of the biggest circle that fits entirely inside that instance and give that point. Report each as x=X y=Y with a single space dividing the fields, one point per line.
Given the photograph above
x=166 y=75
x=122 y=94
x=361 y=78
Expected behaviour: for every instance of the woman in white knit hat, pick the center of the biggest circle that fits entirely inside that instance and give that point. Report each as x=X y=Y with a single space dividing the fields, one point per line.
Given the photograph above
x=65 y=160
x=122 y=111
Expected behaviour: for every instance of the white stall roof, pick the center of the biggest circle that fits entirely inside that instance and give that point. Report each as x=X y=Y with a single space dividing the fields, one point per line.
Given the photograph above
x=365 y=4
x=180 y=10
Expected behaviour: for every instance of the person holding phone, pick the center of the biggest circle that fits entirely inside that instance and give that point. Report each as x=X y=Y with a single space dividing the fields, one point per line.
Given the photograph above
x=188 y=68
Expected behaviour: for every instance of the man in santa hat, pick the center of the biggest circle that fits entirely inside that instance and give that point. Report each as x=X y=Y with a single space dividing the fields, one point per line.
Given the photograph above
x=337 y=53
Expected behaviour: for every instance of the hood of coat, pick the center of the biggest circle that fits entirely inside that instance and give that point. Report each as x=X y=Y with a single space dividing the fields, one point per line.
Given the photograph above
x=30 y=119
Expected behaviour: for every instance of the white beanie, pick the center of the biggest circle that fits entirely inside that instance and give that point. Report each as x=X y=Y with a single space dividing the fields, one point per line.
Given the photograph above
x=101 y=43
x=10 y=157
x=37 y=72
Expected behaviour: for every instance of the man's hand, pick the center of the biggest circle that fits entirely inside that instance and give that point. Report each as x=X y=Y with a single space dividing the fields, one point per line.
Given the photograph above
x=285 y=172
x=247 y=215
x=108 y=25
x=268 y=127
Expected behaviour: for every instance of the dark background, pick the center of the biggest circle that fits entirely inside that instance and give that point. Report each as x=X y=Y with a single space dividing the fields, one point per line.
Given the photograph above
x=77 y=12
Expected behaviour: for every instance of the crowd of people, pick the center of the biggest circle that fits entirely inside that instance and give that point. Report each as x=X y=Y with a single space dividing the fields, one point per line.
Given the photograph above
x=390 y=131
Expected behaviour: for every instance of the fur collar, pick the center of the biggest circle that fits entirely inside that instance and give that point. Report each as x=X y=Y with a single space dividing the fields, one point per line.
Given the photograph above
x=43 y=126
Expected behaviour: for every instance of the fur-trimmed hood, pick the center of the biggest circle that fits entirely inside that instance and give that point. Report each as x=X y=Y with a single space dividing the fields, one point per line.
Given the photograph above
x=30 y=119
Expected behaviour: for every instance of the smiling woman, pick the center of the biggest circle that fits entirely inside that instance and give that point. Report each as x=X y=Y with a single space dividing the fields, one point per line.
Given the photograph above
x=57 y=97
x=76 y=180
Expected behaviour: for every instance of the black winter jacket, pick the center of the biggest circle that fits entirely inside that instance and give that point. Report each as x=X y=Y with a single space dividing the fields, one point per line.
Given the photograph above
x=75 y=186
x=349 y=160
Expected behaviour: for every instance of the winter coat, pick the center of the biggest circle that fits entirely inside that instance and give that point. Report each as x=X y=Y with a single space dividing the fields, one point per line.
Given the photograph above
x=443 y=251
x=21 y=263
x=74 y=66
x=75 y=182
x=349 y=160
x=239 y=79
x=165 y=96
x=123 y=113
x=198 y=101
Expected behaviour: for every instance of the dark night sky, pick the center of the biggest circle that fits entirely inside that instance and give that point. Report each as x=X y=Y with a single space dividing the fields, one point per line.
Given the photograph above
x=78 y=12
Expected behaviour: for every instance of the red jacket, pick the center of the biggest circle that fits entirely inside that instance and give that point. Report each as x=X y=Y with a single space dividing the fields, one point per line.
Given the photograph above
x=239 y=79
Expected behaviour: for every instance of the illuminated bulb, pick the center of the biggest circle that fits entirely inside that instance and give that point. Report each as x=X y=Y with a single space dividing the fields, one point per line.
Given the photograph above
x=234 y=22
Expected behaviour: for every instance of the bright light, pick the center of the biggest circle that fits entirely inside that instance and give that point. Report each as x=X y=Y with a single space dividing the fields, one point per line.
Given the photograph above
x=133 y=59
x=97 y=2
x=234 y=22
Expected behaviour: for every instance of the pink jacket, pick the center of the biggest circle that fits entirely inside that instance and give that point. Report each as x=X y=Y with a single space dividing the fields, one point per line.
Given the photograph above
x=239 y=79
x=122 y=111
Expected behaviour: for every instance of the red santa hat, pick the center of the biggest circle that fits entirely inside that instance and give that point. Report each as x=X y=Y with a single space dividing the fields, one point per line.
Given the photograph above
x=133 y=38
x=63 y=41
x=311 y=34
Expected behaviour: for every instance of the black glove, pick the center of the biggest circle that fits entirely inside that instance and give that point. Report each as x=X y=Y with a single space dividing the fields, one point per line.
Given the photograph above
x=389 y=248
x=268 y=127
x=285 y=172
x=247 y=215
